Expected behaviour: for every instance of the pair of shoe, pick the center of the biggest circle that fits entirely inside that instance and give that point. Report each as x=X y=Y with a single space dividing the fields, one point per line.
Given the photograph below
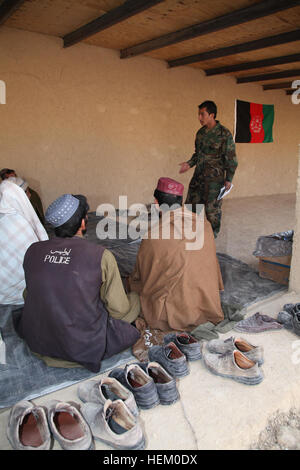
x=235 y=359
x=30 y=427
x=174 y=354
x=154 y=383
x=187 y=344
x=289 y=317
x=149 y=383
x=112 y=413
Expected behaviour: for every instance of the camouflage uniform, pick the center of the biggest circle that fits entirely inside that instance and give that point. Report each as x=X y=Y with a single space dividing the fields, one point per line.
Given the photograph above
x=215 y=161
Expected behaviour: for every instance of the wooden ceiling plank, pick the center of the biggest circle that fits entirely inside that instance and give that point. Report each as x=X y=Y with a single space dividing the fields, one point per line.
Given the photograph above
x=269 y=76
x=238 y=48
x=7 y=8
x=287 y=59
x=126 y=10
x=258 y=10
x=277 y=86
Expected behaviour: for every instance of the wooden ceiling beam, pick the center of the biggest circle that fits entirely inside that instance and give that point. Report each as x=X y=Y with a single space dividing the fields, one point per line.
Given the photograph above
x=238 y=48
x=287 y=59
x=7 y=8
x=126 y=10
x=258 y=10
x=277 y=86
x=269 y=76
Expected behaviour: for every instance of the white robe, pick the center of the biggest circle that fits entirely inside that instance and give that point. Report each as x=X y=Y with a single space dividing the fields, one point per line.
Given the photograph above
x=19 y=228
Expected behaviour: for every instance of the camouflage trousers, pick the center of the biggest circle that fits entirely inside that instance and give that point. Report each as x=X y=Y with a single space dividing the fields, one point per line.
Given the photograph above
x=205 y=191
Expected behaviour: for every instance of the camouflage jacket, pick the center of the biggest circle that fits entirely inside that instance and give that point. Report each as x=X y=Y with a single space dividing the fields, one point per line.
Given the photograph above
x=214 y=153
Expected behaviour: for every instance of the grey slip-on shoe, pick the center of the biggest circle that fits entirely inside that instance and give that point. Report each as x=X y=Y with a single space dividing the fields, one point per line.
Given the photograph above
x=171 y=358
x=289 y=317
x=219 y=346
x=296 y=318
x=139 y=383
x=296 y=322
x=257 y=323
x=68 y=426
x=27 y=427
x=165 y=383
x=232 y=365
x=286 y=319
x=114 y=424
x=187 y=344
x=108 y=388
x=289 y=307
x=295 y=308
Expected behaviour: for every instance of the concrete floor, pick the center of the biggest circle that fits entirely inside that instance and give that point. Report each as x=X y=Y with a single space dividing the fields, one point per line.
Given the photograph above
x=213 y=412
x=245 y=219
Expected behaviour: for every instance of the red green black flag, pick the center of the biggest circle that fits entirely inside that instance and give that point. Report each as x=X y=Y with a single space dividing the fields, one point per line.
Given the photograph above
x=253 y=122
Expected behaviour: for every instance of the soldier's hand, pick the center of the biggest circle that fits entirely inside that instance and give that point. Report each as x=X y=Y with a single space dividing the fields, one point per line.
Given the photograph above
x=184 y=166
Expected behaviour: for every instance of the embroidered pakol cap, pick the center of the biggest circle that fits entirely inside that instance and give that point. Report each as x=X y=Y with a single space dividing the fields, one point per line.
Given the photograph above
x=61 y=210
x=169 y=186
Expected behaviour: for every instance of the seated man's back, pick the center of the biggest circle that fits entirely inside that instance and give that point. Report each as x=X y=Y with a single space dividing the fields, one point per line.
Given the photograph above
x=179 y=288
x=64 y=316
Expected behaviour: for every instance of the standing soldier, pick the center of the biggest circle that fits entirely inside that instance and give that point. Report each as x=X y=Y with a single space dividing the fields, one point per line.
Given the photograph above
x=215 y=161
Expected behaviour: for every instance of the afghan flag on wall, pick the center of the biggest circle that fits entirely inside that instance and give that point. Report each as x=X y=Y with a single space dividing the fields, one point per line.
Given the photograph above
x=253 y=122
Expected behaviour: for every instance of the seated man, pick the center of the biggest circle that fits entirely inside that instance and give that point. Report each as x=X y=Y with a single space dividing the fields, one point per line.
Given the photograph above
x=19 y=228
x=75 y=308
x=179 y=288
x=33 y=195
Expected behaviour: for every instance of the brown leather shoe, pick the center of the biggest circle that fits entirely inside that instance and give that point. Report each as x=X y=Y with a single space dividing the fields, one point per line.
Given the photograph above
x=233 y=365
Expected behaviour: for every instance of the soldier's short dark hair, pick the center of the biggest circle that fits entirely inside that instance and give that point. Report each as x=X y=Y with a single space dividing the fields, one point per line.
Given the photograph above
x=210 y=106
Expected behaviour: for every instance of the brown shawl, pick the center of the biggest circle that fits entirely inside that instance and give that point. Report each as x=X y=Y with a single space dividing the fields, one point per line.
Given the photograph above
x=179 y=288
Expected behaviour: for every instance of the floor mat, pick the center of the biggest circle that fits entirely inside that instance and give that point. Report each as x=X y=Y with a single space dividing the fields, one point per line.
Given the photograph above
x=24 y=376
x=242 y=287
